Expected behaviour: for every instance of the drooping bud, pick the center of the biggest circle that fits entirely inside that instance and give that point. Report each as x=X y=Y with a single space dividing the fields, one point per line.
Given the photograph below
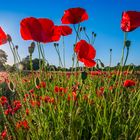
x=9 y=38
x=16 y=47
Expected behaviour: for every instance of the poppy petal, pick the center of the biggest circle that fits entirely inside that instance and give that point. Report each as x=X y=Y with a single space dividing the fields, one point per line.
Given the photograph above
x=3 y=37
x=65 y=30
x=130 y=21
x=30 y=29
x=74 y=16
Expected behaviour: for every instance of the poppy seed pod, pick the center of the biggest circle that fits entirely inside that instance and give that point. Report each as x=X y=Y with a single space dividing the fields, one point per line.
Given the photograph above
x=127 y=43
x=9 y=39
x=33 y=44
x=30 y=49
x=110 y=50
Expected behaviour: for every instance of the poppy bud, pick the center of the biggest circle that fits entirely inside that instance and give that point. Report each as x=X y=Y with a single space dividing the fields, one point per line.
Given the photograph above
x=33 y=44
x=84 y=28
x=9 y=38
x=84 y=75
x=95 y=35
x=80 y=29
x=30 y=49
x=16 y=46
x=127 y=43
x=55 y=44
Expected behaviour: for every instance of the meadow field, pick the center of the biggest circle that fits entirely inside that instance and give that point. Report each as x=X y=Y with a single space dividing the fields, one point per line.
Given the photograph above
x=90 y=103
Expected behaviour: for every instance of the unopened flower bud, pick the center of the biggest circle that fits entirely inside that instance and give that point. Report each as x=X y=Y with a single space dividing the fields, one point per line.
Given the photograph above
x=31 y=49
x=33 y=44
x=80 y=29
x=55 y=44
x=9 y=39
x=16 y=46
x=127 y=43
x=95 y=35
x=84 y=28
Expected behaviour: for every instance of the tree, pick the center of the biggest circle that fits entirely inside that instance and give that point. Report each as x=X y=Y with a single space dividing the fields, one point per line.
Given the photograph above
x=3 y=59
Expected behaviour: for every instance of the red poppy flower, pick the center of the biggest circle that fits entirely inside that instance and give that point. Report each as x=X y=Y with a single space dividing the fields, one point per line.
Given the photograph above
x=129 y=83
x=85 y=53
x=3 y=134
x=3 y=37
x=51 y=32
x=74 y=16
x=40 y=30
x=65 y=30
x=130 y=21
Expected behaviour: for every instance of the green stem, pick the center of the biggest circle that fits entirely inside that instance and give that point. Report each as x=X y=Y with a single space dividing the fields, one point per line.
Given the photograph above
x=110 y=58
x=63 y=52
x=77 y=37
x=125 y=36
x=126 y=56
x=87 y=36
x=60 y=61
x=12 y=53
x=31 y=65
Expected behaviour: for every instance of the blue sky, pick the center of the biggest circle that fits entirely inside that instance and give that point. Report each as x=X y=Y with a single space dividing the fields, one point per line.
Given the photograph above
x=104 y=19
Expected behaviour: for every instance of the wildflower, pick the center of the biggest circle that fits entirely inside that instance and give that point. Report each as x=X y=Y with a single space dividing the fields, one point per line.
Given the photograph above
x=3 y=37
x=130 y=21
x=40 y=30
x=3 y=100
x=85 y=53
x=129 y=83
x=27 y=111
x=74 y=16
x=65 y=30
x=3 y=134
